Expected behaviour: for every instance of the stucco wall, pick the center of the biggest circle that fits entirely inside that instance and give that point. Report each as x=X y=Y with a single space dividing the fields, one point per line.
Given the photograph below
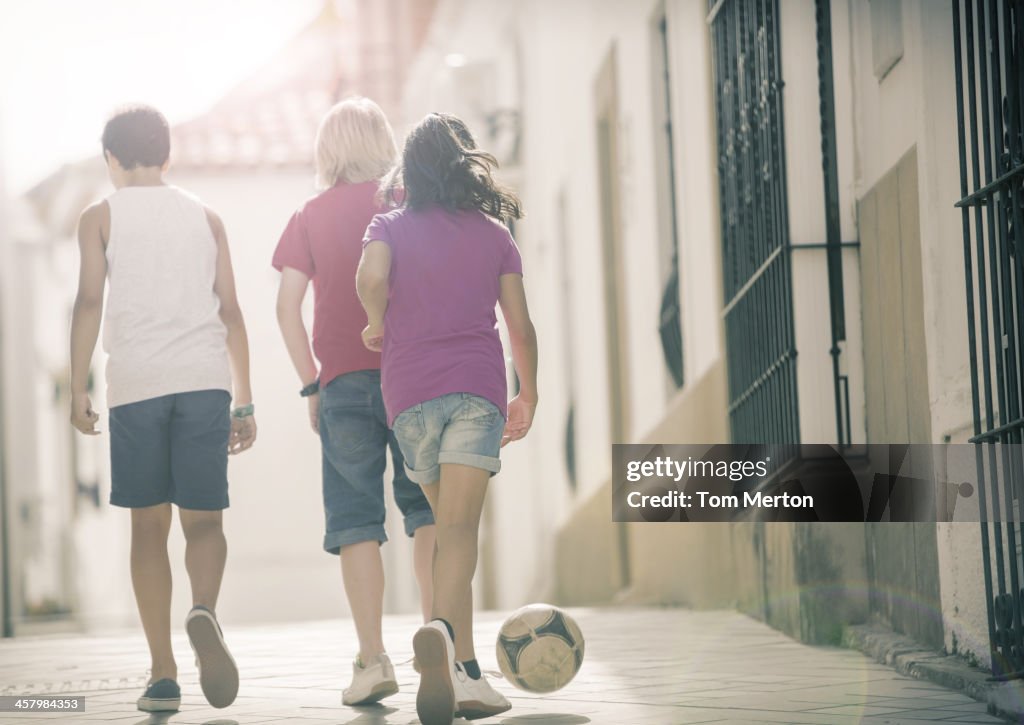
x=277 y=569
x=787 y=575
x=914 y=105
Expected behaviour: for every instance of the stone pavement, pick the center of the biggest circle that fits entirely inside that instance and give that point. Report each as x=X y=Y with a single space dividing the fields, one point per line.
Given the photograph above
x=642 y=667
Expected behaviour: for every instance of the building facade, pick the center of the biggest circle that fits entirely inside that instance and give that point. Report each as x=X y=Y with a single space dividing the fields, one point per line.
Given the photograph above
x=740 y=227
x=250 y=157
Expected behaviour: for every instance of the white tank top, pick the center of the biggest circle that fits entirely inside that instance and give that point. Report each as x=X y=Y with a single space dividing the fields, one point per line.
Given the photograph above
x=162 y=328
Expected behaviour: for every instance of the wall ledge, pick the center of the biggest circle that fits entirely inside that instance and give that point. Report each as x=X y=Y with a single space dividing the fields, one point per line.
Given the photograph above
x=1004 y=699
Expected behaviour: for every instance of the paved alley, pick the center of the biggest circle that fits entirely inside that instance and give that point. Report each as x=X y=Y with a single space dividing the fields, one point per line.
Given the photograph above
x=642 y=667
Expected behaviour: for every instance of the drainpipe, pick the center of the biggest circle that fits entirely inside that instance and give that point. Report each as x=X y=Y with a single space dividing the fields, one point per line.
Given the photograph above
x=833 y=240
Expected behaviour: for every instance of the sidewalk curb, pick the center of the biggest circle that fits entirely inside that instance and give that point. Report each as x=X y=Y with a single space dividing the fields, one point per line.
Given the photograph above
x=1004 y=699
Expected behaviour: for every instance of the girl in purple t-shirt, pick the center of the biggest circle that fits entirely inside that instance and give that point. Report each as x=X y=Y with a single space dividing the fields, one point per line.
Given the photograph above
x=430 y=277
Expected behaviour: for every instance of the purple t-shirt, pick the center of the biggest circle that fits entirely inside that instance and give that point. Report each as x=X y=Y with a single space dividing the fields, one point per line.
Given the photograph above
x=440 y=329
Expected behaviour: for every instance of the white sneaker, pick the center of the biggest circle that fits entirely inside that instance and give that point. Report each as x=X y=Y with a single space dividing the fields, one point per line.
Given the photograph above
x=370 y=683
x=435 y=654
x=476 y=699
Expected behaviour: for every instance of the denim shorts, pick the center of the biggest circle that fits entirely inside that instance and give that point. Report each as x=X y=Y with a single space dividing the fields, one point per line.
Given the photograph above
x=356 y=440
x=454 y=428
x=171 y=449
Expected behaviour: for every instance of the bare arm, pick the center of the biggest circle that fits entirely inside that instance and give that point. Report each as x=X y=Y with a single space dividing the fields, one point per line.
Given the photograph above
x=523 y=338
x=372 y=286
x=289 y=318
x=88 y=311
x=243 y=432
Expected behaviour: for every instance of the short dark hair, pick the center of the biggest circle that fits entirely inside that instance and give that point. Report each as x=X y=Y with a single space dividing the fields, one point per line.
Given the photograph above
x=138 y=135
x=441 y=165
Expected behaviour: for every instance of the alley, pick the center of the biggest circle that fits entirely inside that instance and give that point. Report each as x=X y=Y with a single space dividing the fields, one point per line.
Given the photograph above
x=642 y=667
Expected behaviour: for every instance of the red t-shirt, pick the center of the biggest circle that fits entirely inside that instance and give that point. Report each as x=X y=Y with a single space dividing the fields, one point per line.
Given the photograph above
x=324 y=240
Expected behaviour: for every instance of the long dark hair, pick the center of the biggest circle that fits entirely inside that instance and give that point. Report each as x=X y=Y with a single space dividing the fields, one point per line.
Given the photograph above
x=442 y=166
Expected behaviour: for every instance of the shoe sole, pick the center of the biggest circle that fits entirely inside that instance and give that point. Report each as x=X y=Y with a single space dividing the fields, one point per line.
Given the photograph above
x=476 y=710
x=435 y=699
x=378 y=693
x=164 y=704
x=218 y=674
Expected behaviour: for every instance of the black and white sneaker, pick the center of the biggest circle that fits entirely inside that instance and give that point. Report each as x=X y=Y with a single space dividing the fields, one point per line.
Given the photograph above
x=218 y=674
x=476 y=699
x=161 y=696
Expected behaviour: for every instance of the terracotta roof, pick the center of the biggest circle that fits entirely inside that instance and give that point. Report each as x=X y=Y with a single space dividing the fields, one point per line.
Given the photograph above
x=271 y=118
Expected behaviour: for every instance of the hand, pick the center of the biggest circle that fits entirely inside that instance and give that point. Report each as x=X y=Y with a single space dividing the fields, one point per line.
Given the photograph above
x=373 y=336
x=314 y=412
x=520 y=418
x=83 y=417
x=243 y=434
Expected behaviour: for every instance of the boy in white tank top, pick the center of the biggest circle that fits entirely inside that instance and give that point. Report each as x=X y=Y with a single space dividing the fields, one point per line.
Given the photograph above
x=177 y=351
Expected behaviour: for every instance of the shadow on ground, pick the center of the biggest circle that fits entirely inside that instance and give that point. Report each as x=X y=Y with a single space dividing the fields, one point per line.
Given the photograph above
x=164 y=718
x=546 y=719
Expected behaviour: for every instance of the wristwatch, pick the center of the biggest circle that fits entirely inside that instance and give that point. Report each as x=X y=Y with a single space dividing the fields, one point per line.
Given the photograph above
x=312 y=389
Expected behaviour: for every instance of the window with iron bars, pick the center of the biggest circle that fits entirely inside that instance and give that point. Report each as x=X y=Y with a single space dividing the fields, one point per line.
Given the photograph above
x=988 y=37
x=756 y=253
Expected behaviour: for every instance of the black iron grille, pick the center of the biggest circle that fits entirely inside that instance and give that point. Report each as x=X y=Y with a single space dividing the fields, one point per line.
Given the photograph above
x=988 y=38
x=761 y=353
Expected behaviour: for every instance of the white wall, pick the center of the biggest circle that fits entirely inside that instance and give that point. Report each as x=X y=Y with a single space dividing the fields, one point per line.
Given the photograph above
x=915 y=105
x=700 y=266
x=62 y=549
x=277 y=569
x=532 y=497
x=876 y=124
x=560 y=158
x=806 y=207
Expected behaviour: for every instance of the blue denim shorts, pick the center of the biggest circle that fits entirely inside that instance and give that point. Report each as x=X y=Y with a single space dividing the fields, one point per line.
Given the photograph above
x=356 y=440
x=171 y=449
x=454 y=428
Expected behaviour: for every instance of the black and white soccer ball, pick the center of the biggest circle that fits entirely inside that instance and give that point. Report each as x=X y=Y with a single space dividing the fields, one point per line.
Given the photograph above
x=540 y=648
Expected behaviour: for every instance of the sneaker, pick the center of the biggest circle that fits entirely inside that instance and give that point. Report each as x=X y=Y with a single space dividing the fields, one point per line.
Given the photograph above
x=476 y=698
x=161 y=696
x=370 y=683
x=218 y=674
x=435 y=654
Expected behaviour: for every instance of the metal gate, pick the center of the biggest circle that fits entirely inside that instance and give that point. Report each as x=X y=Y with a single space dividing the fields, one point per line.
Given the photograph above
x=756 y=264
x=988 y=39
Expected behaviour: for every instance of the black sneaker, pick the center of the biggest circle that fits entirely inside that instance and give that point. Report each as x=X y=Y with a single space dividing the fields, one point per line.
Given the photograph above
x=161 y=696
x=218 y=675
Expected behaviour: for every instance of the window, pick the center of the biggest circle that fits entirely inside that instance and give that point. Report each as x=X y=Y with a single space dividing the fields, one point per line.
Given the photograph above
x=669 y=315
x=757 y=279
x=565 y=262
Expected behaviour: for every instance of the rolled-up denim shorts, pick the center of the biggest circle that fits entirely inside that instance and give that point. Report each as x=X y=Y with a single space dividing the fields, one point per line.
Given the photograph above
x=171 y=449
x=355 y=440
x=454 y=428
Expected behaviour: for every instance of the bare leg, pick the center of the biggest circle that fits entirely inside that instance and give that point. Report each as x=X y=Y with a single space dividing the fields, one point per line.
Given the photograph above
x=151 y=579
x=457 y=501
x=362 y=571
x=205 y=553
x=423 y=544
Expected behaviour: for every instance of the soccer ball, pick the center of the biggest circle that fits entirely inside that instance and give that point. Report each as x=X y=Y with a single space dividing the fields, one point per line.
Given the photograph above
x=540 y=648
